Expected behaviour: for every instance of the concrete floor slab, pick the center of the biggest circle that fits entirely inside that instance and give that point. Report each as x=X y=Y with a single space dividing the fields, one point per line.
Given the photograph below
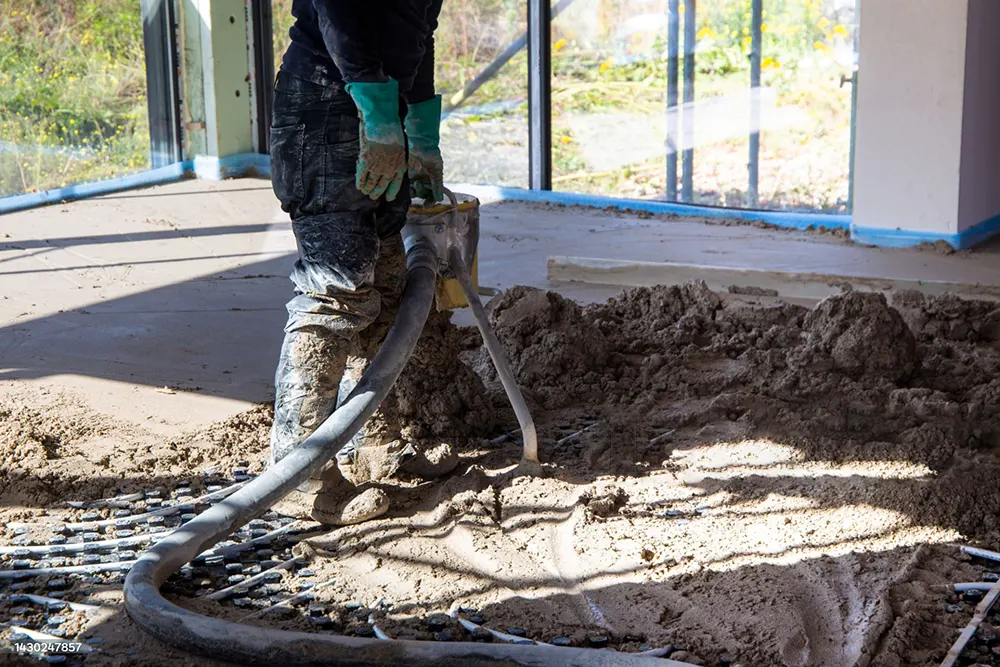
x=530 y=231
x=183 y=286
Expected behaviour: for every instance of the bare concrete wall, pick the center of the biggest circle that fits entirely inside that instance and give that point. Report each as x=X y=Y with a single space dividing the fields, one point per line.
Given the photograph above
x=980 y=172
x=909 y=124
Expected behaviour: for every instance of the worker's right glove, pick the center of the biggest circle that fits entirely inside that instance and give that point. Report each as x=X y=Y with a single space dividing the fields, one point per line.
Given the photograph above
x=382 y=160
x=423 y=133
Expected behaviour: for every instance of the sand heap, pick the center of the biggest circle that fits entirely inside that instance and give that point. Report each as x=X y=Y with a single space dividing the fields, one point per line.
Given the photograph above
x=435 y=397
x=750 y=482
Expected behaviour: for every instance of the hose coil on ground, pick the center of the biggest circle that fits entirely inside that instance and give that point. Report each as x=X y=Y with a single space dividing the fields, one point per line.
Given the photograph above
x=251 y=645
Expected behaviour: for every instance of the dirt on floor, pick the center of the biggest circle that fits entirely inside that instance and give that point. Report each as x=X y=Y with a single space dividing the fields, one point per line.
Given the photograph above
x=746 y=481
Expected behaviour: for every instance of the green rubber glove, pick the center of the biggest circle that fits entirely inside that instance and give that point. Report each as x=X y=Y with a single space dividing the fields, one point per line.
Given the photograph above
x=382 y=160
x=423 y=133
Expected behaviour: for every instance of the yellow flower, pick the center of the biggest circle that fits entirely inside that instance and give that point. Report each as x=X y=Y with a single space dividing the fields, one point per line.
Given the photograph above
x=763 y=27
x=841 y=31
x=605 y=65
x=821 y=47
x=565 y=140
x=558 y=45
x=770 y=63
x=823 y=23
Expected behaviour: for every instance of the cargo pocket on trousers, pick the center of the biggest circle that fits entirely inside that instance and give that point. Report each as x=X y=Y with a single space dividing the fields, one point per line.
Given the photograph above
x=340 y=165
x=287 y=151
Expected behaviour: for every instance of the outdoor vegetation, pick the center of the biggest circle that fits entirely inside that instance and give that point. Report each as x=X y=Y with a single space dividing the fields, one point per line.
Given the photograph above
x=617 y=74
x=72 y=92
x=73 y=107
x=609 y=96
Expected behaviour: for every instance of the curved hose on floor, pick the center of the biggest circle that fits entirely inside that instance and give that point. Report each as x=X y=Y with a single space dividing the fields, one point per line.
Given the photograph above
x=251 y=645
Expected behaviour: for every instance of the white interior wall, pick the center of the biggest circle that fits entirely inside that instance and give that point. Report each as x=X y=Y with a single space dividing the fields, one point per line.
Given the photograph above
x=909 y=120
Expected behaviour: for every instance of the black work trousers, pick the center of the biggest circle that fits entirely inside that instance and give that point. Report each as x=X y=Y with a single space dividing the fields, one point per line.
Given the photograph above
x=351 y=268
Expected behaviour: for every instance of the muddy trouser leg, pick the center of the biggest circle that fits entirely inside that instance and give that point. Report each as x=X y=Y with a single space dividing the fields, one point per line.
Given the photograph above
x=325 y=318
x=390 y=280
x=314 y=151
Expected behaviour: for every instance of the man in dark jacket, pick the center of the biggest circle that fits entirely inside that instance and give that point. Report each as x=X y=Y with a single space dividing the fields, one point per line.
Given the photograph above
x=355 y=130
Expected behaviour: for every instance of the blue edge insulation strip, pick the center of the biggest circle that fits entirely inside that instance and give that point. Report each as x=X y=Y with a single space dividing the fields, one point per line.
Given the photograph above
x=254 y=164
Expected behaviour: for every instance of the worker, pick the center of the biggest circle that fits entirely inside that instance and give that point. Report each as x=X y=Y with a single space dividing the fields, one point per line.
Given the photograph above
x=354 y=133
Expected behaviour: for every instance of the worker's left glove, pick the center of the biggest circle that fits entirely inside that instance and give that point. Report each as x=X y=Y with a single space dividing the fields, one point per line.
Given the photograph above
x=382 y=159
x=423 y=134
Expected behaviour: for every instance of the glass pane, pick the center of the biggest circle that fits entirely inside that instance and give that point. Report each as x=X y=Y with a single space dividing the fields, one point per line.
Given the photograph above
x=808 y=46
x=802 y=109
x=615 y=131
x=609 y=95
x=72 y=93
x=484 y=135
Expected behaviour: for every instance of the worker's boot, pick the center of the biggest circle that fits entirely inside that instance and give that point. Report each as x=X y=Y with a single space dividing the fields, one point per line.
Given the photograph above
x=379 y=450
x=333 y=501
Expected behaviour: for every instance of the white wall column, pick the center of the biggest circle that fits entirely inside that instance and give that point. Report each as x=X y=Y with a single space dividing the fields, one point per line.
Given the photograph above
x=927 y=164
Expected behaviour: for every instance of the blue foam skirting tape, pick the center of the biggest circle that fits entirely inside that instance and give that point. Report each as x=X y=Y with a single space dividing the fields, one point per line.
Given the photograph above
x=168 y=174
x=903 y=238
x=979 y=232
x=213 y=168
x=899 y=238
x=787 y=219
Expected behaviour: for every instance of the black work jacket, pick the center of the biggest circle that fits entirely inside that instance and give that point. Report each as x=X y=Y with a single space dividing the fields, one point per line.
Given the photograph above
x=337 y=42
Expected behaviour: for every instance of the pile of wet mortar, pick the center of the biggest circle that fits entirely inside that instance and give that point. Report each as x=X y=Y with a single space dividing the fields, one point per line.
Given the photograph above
x=742 y=482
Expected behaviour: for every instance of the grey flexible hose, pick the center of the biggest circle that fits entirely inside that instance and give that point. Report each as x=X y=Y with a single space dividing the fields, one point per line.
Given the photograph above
x=495 y=349
x=251 y=645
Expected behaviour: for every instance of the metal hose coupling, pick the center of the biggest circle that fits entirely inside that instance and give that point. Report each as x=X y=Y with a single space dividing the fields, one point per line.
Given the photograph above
x=442 y=233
